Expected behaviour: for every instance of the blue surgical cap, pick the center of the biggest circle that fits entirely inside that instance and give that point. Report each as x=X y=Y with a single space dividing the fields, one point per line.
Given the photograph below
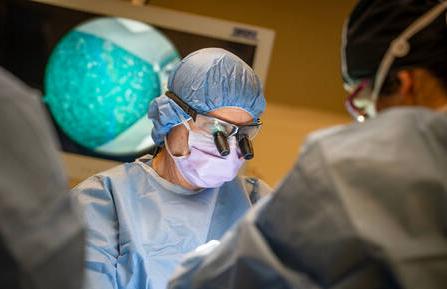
x=207 y=79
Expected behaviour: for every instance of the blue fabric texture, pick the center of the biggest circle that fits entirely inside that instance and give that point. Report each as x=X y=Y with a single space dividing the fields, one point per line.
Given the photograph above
x=41 y=236
x=207 y=79
x=363 y=207
x=139 y=226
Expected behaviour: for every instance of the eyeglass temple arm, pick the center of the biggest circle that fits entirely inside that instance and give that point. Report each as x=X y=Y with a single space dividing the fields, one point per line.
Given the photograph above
x=183 y=105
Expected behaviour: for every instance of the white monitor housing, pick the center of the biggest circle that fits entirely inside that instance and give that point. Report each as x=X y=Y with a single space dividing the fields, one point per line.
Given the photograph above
x=80 y=167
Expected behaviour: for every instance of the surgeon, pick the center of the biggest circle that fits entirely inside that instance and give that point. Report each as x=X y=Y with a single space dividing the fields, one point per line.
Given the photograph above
x=41 y=234
x=365 y=206
x=142 y=217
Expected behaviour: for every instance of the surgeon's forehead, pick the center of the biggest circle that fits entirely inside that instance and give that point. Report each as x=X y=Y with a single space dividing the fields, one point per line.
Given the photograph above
x=232 y=115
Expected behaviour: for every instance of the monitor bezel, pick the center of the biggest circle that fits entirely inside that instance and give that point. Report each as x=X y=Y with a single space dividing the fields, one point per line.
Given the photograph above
x=80 y=167
x=260 y=37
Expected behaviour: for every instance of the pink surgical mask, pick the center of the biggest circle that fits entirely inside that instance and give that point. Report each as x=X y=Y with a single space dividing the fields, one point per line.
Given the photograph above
x=204 y=167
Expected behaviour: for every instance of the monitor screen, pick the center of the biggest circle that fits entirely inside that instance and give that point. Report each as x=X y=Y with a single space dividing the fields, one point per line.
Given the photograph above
x=97 y=73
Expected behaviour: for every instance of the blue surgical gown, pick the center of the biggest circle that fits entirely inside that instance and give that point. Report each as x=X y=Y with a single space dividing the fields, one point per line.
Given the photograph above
x=139 y=225
x=364 y=207
x=41 y=236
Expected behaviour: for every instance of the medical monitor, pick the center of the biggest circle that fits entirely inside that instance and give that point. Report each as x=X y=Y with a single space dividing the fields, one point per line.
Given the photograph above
x=99 y=63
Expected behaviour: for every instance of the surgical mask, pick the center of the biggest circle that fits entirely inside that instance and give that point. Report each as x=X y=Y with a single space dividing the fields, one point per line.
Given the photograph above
x=204 y=167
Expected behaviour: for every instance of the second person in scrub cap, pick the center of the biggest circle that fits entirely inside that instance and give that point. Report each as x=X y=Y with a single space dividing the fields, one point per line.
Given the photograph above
x=365 y=205
x=142 y=217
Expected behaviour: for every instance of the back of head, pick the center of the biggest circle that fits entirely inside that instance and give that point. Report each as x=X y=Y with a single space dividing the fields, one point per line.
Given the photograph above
x=207 y=79
x=374 y=24
x=394 y=53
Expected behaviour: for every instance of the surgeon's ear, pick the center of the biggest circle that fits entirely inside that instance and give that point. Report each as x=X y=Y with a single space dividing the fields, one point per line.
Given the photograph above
x=405 y=94
x=407 y=90
x=178 y=140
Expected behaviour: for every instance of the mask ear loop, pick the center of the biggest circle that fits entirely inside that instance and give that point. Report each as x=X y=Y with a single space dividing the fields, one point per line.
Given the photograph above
x=188 y=127
x=169 y=150
x=400 y=47
x=185 y=122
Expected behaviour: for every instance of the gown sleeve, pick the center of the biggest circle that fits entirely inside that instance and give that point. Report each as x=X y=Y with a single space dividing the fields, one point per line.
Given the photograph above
x=96 y=202
x=246 y=258
x=41 y=237
x=300 y=236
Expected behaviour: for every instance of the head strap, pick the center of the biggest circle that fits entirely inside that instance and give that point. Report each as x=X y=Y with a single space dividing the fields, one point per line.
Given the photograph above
x=183 y=105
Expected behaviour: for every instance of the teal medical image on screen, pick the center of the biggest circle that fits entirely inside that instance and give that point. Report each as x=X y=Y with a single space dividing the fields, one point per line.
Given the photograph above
x=97 y=73
x=100 y=79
